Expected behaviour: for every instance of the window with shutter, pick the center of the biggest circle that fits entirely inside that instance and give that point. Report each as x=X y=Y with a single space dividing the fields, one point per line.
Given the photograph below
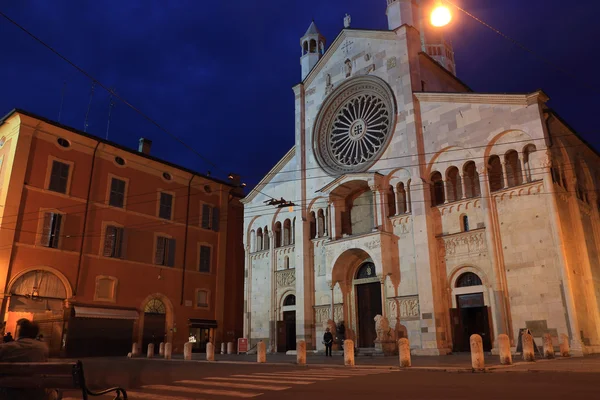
x=204 y=259
x=215 y=219
x=113 y=242
x=202 y=299
x=166 y=205
x=159 y=256
x=170 y=253
x=59 y=177
x=206 y=216
x=51 y=230
x=117 y=193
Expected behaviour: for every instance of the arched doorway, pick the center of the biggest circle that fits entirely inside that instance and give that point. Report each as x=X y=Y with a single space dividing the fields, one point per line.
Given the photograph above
x=154 y=324
x=40 y=295
x=471 y=315
x=368 y=303
x=286 y=330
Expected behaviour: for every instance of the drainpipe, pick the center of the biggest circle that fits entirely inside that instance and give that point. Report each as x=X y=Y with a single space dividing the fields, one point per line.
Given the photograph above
x=187 y=223
x=85 y=215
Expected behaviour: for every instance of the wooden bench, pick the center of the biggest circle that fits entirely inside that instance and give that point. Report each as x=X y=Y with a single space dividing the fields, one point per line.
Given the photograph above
x=58 y=376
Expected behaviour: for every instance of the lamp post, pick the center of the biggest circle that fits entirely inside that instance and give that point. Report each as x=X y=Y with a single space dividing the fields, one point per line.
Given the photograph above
x=441 y=15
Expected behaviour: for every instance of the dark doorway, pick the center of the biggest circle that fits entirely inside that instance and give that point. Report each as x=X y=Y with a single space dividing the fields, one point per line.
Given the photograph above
x=154 y=325
x=201 y=337
x=368 y=301
x=471 y=317
x=290 y=330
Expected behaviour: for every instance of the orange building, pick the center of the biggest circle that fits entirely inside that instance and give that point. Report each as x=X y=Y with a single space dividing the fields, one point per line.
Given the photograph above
x=105 y=246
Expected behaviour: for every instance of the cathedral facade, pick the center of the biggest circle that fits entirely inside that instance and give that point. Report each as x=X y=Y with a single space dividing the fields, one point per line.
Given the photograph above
x=414 y=202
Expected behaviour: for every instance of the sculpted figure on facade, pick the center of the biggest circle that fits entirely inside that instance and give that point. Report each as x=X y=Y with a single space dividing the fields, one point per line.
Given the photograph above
x=382 y=327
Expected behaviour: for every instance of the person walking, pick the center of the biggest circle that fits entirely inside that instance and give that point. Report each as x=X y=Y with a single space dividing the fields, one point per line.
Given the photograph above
x=328 y=340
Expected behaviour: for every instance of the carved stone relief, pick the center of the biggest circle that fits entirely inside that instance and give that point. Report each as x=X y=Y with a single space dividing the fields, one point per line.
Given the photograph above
x=391 y=63
x=464 y=244
x=322 y=313
x=286 y=278
x=407 y=308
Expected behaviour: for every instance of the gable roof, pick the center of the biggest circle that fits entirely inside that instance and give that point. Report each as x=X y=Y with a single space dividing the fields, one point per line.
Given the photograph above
x=264 y=181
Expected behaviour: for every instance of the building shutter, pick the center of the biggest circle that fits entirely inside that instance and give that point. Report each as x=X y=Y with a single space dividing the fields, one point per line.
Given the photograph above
x=166 y=206
x=59 y=177
x=159 y=256
x=117 y=193
x=46 y=229
x=124 y=235
x=109 y=241
x=215 y=219
x=206 y=216
x=204 y=259
x=55 y=230
x=171 y=253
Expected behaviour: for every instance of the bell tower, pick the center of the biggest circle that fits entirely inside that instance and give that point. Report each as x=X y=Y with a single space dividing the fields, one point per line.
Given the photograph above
x=400 y=12
x=313 y=48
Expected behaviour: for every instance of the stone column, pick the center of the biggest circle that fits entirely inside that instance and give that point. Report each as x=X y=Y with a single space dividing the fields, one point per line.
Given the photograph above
x=210 y=351
x=404 y=352
x=248 y=293
x=331 y=310
x=408 y=198
x=445 y=182
x=150 y=353
x=504 y=174
x=463 y=184
x=168 y=350
x=261 y=352
x=187 y=351
x=326 y=222
x=523 y=173
x=397 y=199
x=349 y=353
x=317 y=223
x=301 y=352
x=230 y=349
x=494 y=245
x=376 y=213
x=333 y=217
x=477 y=360
x=383 y=295
x=504 y=348
x=161 y=349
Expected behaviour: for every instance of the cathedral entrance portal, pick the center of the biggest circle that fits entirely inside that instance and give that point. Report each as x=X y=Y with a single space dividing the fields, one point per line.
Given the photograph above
x=368 y=304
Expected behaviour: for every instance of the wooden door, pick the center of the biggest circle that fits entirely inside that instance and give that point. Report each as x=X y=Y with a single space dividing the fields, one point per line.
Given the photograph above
x=281 y=337
x=457 y=330
x=290 y=329
x=368 y=303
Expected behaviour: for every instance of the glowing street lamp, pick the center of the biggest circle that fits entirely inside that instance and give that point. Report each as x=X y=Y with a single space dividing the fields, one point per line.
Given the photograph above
x=441 y=15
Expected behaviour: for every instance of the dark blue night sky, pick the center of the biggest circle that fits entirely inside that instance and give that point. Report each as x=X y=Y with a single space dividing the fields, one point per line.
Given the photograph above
x=219 y=74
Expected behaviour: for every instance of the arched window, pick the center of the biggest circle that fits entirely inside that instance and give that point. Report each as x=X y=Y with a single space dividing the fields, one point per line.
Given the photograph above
x=286 y=262
x=266 y=241
x=367 y=270
x=464 y=223
x=401 y=199
x=259 y=240
x=408 y=201
x=437 y=189
x=468 y=279
x=277 y=233
x=313 y=225
x=286 y=232
x=293 y=234
x=471 y=180
x=454 y=184
x=527 y=156
x=290 y=300
x=155 y=306
x=496 y=177
x=313 y=46
x=514 y=174
x=305 y=48
x=321 y=223
x=391 y=198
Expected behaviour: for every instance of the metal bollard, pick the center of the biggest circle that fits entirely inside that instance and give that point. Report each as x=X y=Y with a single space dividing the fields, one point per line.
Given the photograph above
x=404 y=352
x=210 y=352
x=261 y=352
x=301 y=352
x=477 y=360
x=349 y=353
x=504 y=348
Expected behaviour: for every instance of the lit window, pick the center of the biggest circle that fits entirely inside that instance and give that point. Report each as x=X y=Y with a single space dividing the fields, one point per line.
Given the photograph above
x=51 y=229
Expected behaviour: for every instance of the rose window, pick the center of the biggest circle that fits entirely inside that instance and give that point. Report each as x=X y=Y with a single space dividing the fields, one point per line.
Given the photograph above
x=354 y=126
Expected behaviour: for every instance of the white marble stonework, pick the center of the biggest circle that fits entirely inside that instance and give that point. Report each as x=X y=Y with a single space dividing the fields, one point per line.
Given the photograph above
x=414 y=198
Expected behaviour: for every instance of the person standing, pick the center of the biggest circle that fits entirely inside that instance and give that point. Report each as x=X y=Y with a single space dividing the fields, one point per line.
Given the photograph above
x=8 y=338
x=328 y=340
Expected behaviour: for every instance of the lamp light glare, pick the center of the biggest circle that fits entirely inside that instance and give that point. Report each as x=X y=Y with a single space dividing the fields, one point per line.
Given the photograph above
x=441 y=16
